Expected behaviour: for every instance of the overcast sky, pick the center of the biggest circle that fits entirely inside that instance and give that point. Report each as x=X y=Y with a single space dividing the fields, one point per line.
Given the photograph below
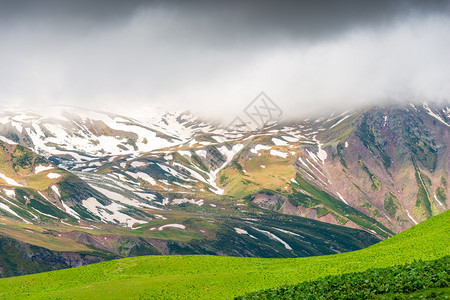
x=308 y=56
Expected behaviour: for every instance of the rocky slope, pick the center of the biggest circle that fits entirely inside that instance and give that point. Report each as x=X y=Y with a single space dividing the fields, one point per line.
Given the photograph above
x=19 y=258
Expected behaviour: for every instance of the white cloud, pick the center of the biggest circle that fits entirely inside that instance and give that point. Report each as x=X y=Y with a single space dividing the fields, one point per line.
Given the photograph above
x=157 y=58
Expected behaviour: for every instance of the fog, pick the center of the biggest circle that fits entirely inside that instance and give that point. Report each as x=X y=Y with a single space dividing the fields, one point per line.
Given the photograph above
x=214 y=59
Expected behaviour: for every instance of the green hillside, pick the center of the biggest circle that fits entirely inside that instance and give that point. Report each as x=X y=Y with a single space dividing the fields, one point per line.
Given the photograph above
x=431 y=278
x=224 y=277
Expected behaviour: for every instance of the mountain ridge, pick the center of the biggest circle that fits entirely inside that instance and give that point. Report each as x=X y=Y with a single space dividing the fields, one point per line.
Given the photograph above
x=380 y=170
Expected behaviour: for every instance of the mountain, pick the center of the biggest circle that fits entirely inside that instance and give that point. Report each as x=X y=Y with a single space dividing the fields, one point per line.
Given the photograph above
x=50 y=214
x=172 y=183
x=216 y=277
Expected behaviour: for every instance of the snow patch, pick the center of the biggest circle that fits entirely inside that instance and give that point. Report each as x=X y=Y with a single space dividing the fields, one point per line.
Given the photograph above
x=431 y=113
x=121 y=198
x=6 y=208
x=278 y=153
x=70 y=211
x=321 y=154
x=185 y=153
x=440 y=203
x=56 y=190
x=257 y=148
x=10 y=193
x=161 y=217
x=290 y=138
x=303 y=163
x=42 y=168
x=279 y=142
x=288 y=232
x=338 y=122
x=143 y=176
x=313 y=156
x=317 y=169
x=171 y=171
x=50 y=216
x=342 y=198
x=193 y=173
x=53 y=175
x=138 y=164
x=185 y=200
x=110 y=213
x=201 y=153
x=274 y=237
x=179 y=226
x=9 y=181
x=8 y=141
x=415 y=222
x=229 y=154
x=242 y=231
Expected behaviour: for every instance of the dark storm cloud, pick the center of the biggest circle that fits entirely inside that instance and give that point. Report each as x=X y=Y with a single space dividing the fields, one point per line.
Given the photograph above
x=307 y=19
x=216 y=56
x=84 y=9
x=226 y=20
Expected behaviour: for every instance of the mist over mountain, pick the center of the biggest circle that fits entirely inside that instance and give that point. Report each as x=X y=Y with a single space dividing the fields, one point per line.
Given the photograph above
x=215 y=59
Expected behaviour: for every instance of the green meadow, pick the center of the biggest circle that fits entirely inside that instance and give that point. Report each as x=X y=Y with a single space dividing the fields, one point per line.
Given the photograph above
x=426 y=277
x=218 y=277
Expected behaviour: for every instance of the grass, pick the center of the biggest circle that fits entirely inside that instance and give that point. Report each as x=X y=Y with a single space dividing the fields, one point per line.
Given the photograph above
x=276 y=174
x=41 y=182
x=216 y=277
x=44 y=240
x=38 y=236
x=398 y=280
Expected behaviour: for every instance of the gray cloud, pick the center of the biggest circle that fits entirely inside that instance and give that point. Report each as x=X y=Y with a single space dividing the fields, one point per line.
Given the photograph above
x=307 y=55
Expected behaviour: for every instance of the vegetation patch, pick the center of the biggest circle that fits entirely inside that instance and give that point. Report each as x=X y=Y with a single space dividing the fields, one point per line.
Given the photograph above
x=423 y=201
x=372 y=140
x=441 y=194
x=298 y=198
x=199 y=162
x=376 y=183
x=421 y=146
x=404 y=280
x=391 y=204
x=441 y=191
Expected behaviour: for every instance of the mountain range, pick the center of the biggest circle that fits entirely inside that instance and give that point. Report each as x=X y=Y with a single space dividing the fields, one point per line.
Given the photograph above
x=99 y=186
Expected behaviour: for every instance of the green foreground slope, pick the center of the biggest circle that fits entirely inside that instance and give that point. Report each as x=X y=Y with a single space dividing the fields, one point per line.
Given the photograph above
x=224 y=277
x=381 y=282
